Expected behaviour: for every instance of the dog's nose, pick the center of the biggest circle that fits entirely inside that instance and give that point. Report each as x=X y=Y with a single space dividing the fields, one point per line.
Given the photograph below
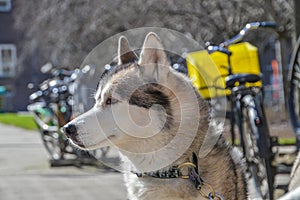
x=70 y=129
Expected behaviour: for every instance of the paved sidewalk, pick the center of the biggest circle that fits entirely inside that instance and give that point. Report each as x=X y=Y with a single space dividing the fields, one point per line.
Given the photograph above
x=25 y=173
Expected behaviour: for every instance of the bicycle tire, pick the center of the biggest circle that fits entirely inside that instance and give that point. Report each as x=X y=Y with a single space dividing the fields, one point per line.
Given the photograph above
x=266 y=147
x=51 y=139
x=52 y=144
x=258 y=153
x=294 y=89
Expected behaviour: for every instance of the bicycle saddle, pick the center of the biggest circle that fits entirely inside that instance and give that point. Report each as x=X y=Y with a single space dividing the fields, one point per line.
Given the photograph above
x=242 y=79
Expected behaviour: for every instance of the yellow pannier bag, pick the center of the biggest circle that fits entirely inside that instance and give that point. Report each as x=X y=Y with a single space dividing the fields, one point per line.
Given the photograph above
x=208 y=71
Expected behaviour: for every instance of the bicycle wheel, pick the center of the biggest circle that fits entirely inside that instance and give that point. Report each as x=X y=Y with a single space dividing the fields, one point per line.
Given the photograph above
x=52 y=143
x=294 y=92
x=52 y=139
x=258 y=151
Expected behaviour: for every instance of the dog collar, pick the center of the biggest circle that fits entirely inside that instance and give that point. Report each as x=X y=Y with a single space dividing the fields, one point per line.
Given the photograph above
x=193 y=175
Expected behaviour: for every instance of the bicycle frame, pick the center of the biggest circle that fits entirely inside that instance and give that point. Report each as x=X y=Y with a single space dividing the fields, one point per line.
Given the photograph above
x=240 y=98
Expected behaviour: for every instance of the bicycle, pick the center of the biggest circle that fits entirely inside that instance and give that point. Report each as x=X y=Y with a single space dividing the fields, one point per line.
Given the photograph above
x=51 y=106
x=244 y=92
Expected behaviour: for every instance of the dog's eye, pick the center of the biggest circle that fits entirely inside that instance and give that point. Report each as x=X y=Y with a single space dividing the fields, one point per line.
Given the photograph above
x=110 y=101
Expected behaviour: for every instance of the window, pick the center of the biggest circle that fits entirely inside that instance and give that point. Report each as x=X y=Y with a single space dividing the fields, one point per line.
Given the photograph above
x=5 y=5
x=8 y=60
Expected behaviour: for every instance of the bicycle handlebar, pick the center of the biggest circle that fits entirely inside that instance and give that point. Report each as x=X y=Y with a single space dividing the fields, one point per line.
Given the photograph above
x=59 y=83
x=268 y=24
x=247 y=28
x=212 y=48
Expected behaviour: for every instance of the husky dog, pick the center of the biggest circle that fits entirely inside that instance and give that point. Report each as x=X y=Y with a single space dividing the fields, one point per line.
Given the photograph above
x=159 y=123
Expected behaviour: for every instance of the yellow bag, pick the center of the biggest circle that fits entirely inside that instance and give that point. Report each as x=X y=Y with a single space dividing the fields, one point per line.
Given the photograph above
x=208 y=71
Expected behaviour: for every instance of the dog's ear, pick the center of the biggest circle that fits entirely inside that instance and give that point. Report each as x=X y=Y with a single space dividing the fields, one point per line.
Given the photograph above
x=125 y=54
x=152 y=54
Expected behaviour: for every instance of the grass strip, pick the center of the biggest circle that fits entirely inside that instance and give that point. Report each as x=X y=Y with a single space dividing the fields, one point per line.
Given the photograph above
x=24 y=121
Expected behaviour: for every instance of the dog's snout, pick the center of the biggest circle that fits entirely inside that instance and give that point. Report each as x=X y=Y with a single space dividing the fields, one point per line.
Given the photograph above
x=70 y=129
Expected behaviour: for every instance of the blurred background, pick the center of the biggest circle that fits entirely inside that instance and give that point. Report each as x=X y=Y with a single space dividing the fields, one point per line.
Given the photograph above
x=64 y=32
x=33 y=33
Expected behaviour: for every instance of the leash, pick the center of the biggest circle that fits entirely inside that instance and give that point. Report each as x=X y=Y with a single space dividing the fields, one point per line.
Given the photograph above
x=205 y=189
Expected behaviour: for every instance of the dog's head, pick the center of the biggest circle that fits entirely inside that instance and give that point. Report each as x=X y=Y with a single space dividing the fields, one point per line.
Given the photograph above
x=137 y=106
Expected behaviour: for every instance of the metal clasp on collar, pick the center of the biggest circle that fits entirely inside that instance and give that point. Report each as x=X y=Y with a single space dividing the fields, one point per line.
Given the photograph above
x=200 y=185
x=186 y=164
x=210 y=194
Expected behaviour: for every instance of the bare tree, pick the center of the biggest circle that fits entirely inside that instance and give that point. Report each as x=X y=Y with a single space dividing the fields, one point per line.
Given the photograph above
x=63 y=32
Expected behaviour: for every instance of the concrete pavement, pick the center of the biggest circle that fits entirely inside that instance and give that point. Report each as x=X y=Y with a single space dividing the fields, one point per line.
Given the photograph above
x=25 y=173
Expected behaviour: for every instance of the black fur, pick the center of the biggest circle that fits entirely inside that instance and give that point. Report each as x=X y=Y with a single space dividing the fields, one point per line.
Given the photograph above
x=150 y=94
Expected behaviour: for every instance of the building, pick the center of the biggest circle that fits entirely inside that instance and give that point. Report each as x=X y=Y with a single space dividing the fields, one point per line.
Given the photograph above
x=8 y=56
